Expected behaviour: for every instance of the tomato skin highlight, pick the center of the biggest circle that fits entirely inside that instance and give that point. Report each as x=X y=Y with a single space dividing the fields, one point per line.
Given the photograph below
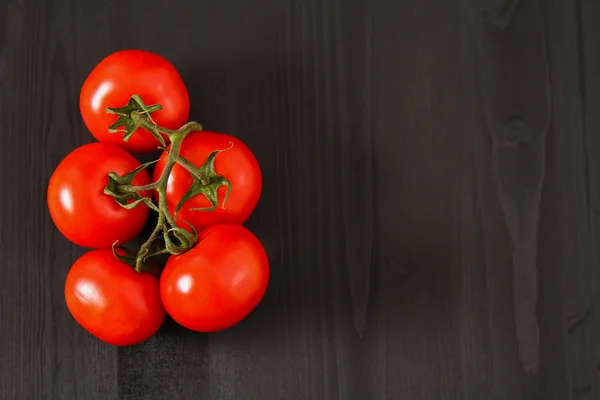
x=216 y=284
x=119 y=76
x=112 y=301
x=79 y=208
x=238 y=164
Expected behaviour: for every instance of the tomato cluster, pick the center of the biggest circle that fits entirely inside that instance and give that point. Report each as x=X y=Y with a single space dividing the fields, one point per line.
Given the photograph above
x=205 y=185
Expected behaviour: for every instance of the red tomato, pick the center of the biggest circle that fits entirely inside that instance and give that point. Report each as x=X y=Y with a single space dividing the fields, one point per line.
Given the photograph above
x=238 y=164
x=218 y=282
x=78 y=206
x=112 y=301
x=125 y=73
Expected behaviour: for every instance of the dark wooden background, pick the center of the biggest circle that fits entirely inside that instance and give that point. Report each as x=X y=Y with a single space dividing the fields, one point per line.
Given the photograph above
x=430 y=208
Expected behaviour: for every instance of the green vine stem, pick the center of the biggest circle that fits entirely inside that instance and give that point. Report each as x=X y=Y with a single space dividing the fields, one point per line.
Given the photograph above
x=206 y=181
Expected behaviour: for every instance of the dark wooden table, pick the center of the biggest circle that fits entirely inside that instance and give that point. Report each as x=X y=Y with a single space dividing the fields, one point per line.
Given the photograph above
x=430 y=207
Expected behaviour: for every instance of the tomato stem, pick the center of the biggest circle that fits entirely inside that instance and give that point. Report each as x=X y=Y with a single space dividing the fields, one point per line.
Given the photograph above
x=166 y=222
x=205 y=180
x=144 y=250
x=137 y=189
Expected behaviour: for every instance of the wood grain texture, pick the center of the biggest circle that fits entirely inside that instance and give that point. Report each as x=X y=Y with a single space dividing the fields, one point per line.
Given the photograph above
x=430 y=203
x=44 y=355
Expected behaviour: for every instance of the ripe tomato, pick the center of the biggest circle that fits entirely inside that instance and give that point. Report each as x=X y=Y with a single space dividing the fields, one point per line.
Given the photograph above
x=112 y=301
x=218 y=282
x=78 y=206
x=238 y=164
x=125 y=73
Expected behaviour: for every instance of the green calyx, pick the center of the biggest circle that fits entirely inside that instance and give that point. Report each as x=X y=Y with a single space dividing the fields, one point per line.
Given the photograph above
x=207 y=182
x=119 y=188
x=132 y=116
x=175 y=240
x=129 y=257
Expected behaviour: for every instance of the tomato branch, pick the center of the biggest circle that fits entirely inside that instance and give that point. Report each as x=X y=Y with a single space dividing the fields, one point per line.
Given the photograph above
x=206 y=181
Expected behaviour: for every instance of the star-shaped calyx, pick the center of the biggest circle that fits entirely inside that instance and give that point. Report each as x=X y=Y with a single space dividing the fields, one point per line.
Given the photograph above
x=119 y=188
x=132 y=116
x=206 y=181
